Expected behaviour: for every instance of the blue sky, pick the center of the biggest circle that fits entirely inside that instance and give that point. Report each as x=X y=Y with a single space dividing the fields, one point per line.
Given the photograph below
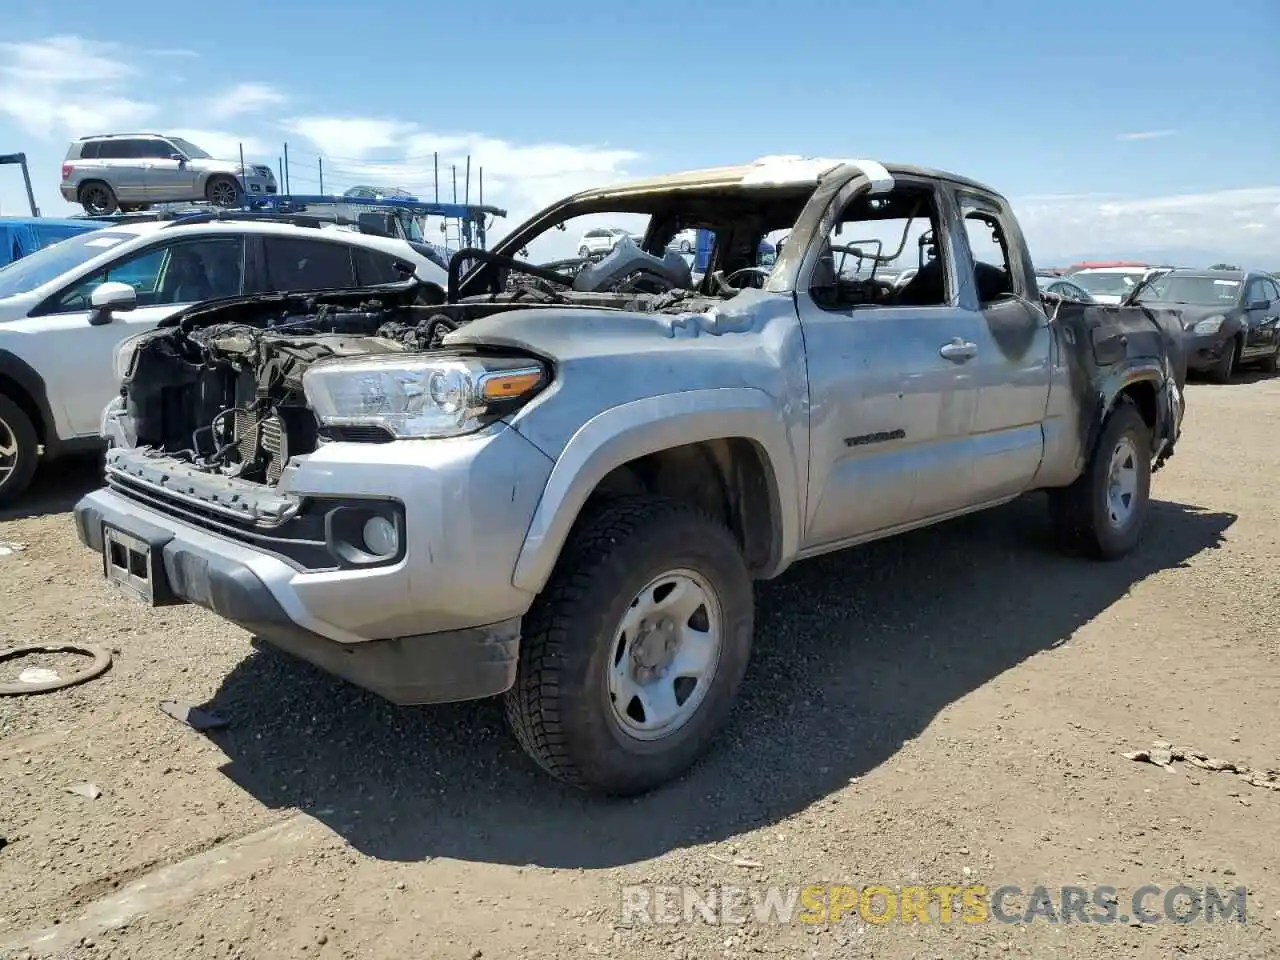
x=1121 y=128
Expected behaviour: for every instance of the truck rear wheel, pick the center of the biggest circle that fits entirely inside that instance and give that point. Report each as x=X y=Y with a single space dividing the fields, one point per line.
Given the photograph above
x=1103 y=512
x=633 y=654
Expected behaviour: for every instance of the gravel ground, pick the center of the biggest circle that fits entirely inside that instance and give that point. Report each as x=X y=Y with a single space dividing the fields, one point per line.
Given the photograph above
x=949 y=707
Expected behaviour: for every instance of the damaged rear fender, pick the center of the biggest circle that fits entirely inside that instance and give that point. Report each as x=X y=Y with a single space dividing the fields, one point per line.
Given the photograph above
x=1153 y=389
x=632 y=430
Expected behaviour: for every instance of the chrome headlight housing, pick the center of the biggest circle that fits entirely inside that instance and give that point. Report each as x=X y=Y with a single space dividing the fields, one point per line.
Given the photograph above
x=421 y=396
x=1209 y=324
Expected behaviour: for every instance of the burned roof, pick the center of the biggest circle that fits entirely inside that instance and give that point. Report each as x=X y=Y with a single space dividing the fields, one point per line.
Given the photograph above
x=764 y=173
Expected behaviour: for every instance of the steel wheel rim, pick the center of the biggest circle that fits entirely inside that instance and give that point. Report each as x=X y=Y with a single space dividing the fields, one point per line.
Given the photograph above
x=665 y=655
x=1122 y=483
x=8 y=451
x=224 y=193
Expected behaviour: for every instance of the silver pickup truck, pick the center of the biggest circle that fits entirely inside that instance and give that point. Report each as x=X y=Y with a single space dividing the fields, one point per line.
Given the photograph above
x=558 y=483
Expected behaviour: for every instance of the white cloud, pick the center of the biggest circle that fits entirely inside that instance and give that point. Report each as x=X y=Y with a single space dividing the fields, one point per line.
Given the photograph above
x=226 y=146
x=520 y=178
x=67 y=86
x=1241 y=224
x=349 y=137
x=243 y=98
x=1147 y=135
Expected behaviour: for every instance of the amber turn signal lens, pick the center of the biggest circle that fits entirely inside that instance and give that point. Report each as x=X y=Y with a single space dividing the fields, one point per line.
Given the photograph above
x=504 y=386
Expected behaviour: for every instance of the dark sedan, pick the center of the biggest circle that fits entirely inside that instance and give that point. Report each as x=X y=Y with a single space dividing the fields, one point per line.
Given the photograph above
x=1229 y=317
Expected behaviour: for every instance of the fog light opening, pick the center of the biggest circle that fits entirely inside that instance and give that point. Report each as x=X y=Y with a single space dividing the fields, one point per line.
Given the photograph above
x=380 y=537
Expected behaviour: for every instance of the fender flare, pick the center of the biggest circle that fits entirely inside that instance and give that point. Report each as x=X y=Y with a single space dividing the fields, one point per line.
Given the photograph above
x=631 y=430
x=16 y=370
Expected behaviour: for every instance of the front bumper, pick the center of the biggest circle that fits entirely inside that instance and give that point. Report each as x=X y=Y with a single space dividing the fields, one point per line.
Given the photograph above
x=1203 y=349
x=258 y=186
x=441 y=623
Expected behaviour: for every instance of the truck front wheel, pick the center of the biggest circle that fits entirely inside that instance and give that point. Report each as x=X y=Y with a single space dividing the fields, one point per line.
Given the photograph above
x=1103 y=512
x=632 y=656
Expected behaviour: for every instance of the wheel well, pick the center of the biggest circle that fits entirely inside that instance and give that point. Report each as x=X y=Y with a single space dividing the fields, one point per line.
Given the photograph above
x=14 y=392
x=1143 y=395
x=728 y=478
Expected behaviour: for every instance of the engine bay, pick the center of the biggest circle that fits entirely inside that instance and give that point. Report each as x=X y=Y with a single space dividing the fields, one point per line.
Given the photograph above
x=221 y=390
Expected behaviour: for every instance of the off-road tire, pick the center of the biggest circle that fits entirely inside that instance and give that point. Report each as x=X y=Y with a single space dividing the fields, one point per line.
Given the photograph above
x=559 y=707
x=1226 y=366
x=216 y=186
x=89 y=193
x=15 y=422
x=1080 y=515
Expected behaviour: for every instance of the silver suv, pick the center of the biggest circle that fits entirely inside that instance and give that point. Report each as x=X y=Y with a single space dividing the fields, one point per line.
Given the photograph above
x=128 y=171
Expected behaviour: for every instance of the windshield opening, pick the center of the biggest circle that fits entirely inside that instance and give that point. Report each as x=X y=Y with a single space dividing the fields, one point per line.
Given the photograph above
x=1107 y=283
x=39 y=268
x=190 y=149
x=1192 y=290
x=568 y=237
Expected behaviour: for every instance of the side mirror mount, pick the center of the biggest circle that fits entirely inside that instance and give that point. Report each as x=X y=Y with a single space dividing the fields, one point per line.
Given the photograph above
x=108 y=297
x=179 y=157
x=1259 y=304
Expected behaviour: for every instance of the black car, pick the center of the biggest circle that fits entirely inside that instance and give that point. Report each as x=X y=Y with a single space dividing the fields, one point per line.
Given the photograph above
x=1229 y=317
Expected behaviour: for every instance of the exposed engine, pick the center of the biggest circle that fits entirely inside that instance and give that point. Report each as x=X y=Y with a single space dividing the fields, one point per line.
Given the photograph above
x=222 y=390
x=228 y=397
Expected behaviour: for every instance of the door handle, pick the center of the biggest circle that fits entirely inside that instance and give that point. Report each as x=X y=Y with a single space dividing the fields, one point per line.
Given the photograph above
x=958 y=351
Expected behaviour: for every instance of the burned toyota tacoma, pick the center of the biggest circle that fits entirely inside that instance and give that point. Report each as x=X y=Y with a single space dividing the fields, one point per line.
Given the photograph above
x=557 y=483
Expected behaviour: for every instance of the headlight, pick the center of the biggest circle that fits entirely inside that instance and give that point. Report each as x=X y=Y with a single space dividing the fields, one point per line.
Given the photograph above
x=1209 y=324
x=420 y=396
x=122 y=358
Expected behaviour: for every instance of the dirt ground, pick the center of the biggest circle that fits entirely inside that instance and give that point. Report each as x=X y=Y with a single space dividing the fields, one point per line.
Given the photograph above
x=949 y=707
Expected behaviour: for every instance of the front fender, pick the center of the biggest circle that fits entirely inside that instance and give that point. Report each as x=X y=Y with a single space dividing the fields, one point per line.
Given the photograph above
x=630 y=430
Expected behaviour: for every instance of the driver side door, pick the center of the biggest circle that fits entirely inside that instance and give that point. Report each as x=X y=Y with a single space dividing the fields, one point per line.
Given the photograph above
x=892 y=396
x=75 y=357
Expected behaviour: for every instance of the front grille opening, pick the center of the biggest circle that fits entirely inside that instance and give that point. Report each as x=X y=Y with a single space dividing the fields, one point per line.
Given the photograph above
x=299 y=541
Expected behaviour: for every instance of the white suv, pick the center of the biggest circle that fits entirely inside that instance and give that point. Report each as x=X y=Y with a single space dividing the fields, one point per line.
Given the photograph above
x=1110 y=285
x=64 y=309
x=127 y=171
x=602 y=240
